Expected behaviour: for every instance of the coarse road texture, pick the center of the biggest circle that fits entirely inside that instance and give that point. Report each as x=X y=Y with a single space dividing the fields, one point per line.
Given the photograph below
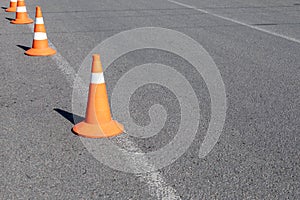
x=255 y=45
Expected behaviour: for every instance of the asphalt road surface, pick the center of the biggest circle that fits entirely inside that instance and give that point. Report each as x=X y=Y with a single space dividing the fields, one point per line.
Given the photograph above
x=255 y=45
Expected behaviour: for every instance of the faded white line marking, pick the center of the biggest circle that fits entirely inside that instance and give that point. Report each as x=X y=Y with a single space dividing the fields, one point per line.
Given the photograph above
x=237 y=22
x=158 y=188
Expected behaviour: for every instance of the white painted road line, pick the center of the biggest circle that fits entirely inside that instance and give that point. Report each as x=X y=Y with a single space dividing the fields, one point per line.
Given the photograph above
x=235 y=21
x=60 y=61
x=158 y=188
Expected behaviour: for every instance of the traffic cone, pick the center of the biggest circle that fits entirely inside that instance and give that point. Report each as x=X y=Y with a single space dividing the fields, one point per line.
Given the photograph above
x=98 y=122
x=12 y=6
x=21 y=14
x=40 y=41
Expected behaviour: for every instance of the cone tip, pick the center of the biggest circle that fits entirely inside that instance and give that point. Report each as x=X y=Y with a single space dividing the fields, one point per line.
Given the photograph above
x=97 y=66
x=38 y=11
x=96 y=57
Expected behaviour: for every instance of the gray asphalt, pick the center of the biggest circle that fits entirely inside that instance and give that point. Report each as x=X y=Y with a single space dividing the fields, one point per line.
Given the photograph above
x=257 y=155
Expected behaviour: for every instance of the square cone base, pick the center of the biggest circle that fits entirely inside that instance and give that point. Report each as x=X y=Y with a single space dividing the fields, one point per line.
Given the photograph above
x=22 y=21
x=11 y=9
x=40 y=52
x=110 y=129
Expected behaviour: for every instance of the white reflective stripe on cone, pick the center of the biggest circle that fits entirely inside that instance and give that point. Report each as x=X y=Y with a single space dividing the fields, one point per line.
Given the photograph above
x=21 y=9
x=40 y=36
x=39 y=20
x=14 y=1
x=97 y=78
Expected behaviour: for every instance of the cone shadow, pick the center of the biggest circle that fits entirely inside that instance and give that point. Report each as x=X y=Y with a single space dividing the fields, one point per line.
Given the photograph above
x=4 y=8
x=9 y=19
x=23 y=47
x=69 y=116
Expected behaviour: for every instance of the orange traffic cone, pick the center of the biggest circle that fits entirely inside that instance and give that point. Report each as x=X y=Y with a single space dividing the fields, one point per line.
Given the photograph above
x=40 y=41
x=21 y=14
x=98 y=122
x=12 y=6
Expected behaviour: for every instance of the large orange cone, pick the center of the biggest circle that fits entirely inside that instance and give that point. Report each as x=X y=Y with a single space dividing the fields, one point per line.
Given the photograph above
x=21 y=14
x=12 y=6
x=40 y=45
x=98 y=122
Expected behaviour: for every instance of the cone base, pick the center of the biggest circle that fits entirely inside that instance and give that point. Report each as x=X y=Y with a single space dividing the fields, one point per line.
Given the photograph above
x=11 y=9
x=40 y=52
x=22 y=21
x=112 y=128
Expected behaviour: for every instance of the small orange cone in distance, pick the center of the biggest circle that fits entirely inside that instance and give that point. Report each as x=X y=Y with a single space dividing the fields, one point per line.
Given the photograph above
x=21 y=14
x=98 y=122
x=40 y=45
x=12 y=6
